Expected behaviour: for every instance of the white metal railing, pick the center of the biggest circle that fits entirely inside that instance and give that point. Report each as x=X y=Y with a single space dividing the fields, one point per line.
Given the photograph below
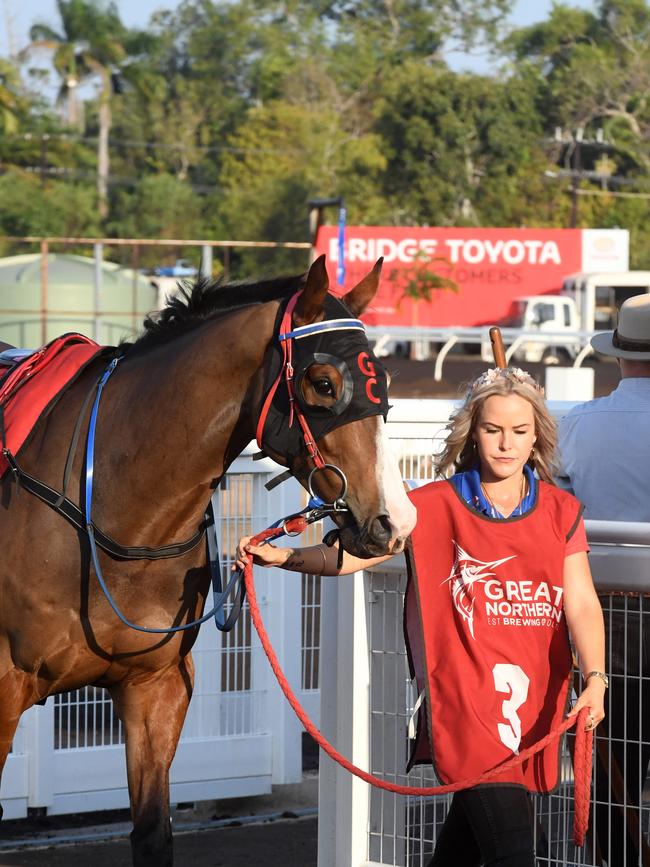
x=575 y=342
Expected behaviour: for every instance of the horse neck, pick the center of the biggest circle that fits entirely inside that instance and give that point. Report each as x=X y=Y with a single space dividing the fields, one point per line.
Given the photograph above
x=186 y=410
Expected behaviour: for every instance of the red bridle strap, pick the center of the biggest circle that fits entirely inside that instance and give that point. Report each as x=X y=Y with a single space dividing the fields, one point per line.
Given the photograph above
x=286 y=372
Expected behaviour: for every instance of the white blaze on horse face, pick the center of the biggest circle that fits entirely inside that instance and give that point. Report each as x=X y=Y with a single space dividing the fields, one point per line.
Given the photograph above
x=400 y=510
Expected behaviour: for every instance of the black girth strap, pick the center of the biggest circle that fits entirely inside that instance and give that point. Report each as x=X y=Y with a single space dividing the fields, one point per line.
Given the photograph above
x=72 y=513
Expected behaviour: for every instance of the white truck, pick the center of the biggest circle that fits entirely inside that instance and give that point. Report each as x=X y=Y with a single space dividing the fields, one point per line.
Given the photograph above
x=587 y=302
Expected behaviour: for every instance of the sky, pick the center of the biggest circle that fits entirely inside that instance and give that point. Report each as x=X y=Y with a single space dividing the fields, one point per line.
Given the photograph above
x=18 y=15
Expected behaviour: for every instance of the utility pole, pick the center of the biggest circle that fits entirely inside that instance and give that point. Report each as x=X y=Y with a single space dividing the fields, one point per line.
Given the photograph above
x=573 y=143
x=575 y=176
x=43 y=158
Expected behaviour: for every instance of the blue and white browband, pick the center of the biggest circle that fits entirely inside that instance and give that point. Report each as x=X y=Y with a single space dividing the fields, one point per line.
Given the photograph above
x=327 y=325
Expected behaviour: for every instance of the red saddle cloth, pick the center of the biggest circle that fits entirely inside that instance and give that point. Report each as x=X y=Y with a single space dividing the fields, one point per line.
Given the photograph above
x=30 y=388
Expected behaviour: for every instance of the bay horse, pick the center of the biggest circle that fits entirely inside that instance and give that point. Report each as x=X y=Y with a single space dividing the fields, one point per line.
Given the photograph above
x=182 y=404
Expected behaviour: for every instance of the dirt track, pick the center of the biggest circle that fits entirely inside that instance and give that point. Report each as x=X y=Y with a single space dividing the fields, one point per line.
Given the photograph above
x=415 y=378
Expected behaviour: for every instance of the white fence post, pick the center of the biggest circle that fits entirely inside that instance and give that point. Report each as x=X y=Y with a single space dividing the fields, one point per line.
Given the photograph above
x=283 y=622
x=39 y=741
x=345 y=714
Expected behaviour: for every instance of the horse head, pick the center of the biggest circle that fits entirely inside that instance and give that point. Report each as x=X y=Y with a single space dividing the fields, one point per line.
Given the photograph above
x=326 y=422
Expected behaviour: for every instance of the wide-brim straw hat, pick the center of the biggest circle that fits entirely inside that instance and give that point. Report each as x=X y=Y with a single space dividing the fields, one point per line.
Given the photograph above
x=631 y=339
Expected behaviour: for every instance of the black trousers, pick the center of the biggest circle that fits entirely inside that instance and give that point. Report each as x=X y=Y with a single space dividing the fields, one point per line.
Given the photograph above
x=490 y=825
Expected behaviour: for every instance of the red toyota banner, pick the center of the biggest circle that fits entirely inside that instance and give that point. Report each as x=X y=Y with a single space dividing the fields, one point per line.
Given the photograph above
x=487 y=269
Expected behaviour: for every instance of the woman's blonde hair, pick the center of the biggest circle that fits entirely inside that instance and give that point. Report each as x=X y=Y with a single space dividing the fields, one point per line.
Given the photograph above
x=460 y=451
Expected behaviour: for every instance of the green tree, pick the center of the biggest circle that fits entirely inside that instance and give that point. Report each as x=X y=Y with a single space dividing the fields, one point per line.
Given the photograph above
x=91 y=44
x=595 y=73
x=60 y=208
x=161 y=206
x=12 y=104
x=461 y=149
x=593 y=81
x=282 y=155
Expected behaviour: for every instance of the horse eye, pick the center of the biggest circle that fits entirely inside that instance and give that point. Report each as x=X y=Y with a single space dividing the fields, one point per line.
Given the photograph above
x=324 y=387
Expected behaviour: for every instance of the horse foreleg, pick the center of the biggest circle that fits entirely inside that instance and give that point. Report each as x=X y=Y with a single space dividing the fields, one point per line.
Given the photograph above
x=152 y=709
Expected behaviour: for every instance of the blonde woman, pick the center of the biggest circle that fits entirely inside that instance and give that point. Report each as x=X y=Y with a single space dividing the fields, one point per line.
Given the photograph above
x=498 y=570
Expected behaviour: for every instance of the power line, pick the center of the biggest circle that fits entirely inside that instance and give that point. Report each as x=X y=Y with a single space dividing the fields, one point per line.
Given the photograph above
x=113 y=180
x=615 y=193
x=591 y=175
x=147 y=145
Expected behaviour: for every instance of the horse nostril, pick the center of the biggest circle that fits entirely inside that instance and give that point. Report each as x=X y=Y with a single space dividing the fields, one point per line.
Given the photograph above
x=380 y=529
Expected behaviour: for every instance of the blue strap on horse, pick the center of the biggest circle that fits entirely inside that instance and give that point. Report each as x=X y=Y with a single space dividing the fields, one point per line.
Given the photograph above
x=221 y=596
x=315 y=511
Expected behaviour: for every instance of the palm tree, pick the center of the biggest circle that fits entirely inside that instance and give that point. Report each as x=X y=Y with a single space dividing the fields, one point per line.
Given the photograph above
x=90 y=44
x=10 y=101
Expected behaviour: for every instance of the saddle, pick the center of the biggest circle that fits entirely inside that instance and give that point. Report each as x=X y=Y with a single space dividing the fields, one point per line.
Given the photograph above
x=31 y=382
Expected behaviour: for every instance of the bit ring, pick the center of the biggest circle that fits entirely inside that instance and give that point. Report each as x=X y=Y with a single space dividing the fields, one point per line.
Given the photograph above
x=339 y=503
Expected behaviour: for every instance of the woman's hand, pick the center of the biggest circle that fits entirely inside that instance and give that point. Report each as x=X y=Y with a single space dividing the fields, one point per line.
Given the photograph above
x=593 y=697
x=261 y=555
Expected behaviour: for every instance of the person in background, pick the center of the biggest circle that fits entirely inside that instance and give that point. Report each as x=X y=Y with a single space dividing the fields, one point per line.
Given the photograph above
x=497 y=571
x=605 y=457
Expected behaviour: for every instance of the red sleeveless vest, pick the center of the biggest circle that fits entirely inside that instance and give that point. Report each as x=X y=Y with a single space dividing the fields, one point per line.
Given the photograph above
x=486 y=634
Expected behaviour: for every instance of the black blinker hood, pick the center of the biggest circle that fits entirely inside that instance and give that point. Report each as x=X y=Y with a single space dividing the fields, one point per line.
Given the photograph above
x=365 y=387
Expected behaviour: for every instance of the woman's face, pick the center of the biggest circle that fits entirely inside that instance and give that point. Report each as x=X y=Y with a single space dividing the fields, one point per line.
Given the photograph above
x=504 y=436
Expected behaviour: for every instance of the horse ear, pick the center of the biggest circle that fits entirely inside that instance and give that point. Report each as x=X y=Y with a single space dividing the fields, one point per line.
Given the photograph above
x=362 y=294
x=311 y=301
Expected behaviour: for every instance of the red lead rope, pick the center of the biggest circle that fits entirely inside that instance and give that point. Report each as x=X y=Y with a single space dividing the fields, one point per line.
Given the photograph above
x=583 y=744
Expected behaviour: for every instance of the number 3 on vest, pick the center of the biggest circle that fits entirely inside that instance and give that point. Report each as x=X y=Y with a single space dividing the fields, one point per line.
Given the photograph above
x=513 y=680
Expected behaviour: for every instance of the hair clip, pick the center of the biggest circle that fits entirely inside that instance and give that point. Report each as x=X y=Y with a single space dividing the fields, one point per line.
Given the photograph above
x=511 y=374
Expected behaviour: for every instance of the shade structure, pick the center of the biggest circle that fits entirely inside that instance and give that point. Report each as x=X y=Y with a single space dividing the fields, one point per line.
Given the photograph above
x=104 y=301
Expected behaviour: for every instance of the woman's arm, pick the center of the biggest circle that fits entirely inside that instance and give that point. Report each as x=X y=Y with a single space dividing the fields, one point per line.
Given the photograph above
x=585 y=621
x=315 y=559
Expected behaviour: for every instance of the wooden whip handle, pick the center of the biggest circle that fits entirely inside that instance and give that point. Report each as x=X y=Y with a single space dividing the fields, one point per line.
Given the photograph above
x=497 y=347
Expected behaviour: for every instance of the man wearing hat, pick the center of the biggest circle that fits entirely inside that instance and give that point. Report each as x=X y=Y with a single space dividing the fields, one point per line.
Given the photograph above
x=605 y=443
x=605 y=453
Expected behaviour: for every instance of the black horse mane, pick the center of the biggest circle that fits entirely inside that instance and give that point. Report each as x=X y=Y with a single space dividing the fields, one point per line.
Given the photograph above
x=206 y=299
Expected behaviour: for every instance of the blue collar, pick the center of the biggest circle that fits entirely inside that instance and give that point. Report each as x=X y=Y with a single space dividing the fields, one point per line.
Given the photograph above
x=468 y=485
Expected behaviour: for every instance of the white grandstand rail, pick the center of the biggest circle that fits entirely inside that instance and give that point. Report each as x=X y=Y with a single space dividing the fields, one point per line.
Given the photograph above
x=447 y=338
x=444 y=351
x=479 y=334
x=584 y=352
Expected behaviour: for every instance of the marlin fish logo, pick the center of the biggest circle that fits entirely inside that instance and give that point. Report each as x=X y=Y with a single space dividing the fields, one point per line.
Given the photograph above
x=466 y=572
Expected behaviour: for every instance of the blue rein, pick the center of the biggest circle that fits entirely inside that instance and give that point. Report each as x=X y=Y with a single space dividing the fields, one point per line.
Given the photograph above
x=220 y=597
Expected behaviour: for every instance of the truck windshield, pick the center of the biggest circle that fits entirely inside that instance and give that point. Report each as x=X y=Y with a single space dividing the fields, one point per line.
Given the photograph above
x=541 y=313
